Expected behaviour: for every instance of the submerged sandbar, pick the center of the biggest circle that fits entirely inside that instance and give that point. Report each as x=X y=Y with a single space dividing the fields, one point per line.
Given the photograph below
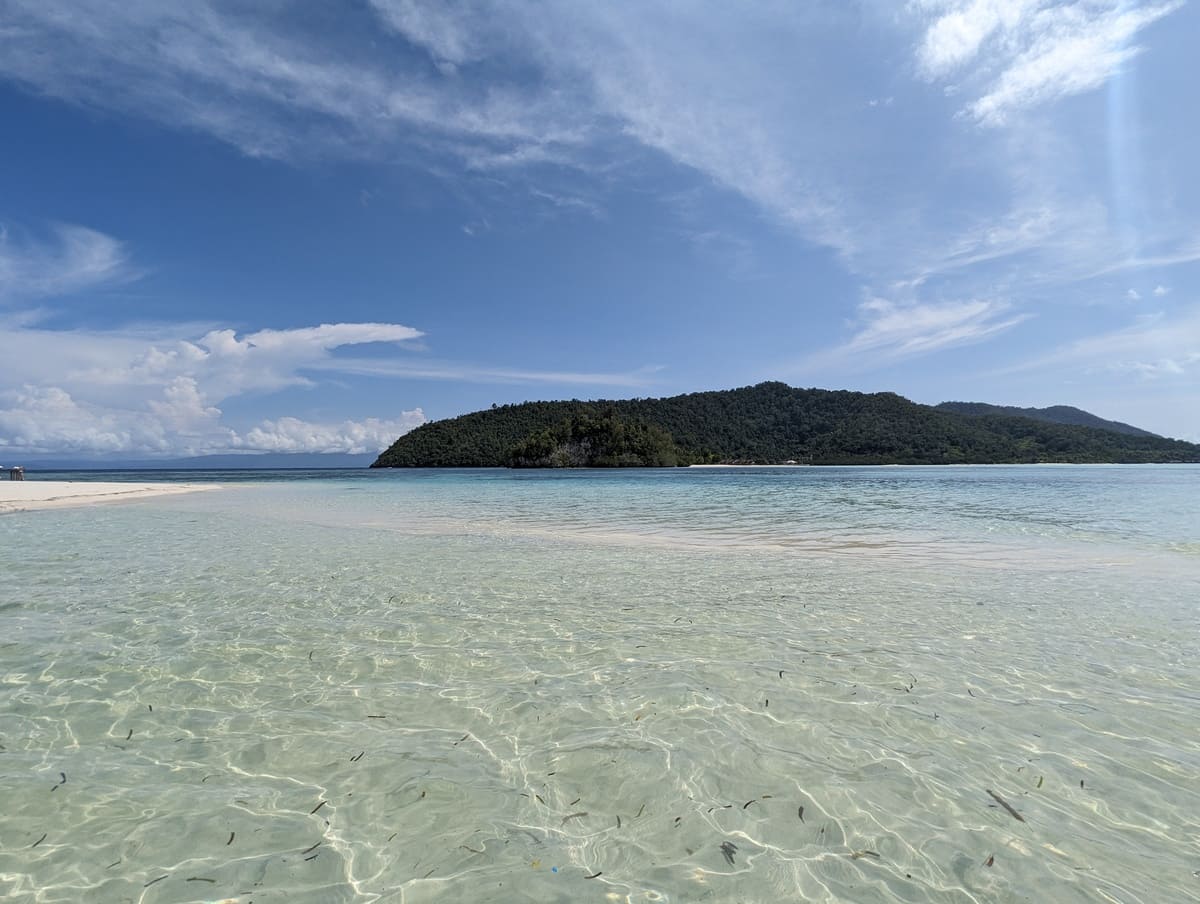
x=28 y=495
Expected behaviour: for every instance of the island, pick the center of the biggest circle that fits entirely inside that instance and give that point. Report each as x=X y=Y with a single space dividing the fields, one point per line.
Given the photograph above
x=770 y=424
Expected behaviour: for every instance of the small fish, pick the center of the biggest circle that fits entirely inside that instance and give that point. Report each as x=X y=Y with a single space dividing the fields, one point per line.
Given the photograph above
x=355 y=759
x=313 y=848
x=595 y=875
x=747 y=803
x=728 y=848
x=230 y=841
x=39 y=841
x=200 y=879
x=575 y=801
x=152 y=881
x=800 y=813
x=990 y=860
x=130 y=735
x=578 y=815
x=317 y=807
x=63 y=777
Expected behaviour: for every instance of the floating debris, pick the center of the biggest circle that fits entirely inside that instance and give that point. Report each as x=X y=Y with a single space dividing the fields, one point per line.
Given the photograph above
x=728 y=848
x=990 y=860
x=460 y=740
x=376 y=717
x=63 y=781
x=1005 y=804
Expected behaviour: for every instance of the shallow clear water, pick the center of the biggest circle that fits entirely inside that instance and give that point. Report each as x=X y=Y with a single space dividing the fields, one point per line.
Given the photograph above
x=488 y=686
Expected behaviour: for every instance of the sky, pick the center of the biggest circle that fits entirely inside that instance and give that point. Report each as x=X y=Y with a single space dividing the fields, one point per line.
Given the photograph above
x=310 y=227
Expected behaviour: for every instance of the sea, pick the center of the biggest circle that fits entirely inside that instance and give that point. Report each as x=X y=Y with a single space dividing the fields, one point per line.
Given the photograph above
x=893 y=684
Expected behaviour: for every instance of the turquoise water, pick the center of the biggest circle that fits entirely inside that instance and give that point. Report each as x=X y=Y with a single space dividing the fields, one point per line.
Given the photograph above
x=701 y=685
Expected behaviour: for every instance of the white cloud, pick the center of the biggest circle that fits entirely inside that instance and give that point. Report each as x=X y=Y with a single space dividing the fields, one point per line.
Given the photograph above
x=472 y=373
x=74 y=259
x=1133 y=295
x=49 y=421
x=1030 y=52
x=1160 y=291
x=888 y=331
x=1153 y=346
x=156 y=393
x=289 y=434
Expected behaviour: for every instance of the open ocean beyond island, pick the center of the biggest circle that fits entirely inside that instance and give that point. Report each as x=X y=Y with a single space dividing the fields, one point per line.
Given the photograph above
x=961 y=684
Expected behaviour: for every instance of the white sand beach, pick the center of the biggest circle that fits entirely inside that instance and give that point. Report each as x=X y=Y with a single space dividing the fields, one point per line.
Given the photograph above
x=27 y=495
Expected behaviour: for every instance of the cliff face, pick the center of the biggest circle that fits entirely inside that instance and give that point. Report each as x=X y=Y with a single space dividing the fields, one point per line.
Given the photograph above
x=765 y=424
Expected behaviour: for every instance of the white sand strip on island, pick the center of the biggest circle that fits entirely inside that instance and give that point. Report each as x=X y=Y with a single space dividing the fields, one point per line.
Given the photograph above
x=27 y=495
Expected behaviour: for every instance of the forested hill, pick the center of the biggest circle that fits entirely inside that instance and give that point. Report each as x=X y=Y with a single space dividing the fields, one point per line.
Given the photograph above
x=765 y=424
x=1056 y=414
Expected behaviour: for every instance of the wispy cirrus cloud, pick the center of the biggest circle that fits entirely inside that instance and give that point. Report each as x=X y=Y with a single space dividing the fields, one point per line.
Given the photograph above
x=1155 y=345
x=1027 y=53
x=70 y=259
x=473 y=373
x=887 y=331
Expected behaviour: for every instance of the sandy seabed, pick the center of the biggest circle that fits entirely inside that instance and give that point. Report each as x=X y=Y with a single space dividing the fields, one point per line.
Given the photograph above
x=27 y=495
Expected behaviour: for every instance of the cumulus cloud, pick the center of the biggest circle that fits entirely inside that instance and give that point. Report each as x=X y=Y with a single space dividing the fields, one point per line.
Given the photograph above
x=1133 y=295
x=1160 y=291
x=289 y=434
x=158 y=394
x=48 y=420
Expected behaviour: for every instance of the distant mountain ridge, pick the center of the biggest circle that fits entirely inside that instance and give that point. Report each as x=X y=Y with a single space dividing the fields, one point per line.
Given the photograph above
x=248 y=460
x=771 y=423
x=1055 y=414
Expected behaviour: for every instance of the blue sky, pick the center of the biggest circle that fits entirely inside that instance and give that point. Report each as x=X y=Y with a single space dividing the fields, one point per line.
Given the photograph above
x=293 y=226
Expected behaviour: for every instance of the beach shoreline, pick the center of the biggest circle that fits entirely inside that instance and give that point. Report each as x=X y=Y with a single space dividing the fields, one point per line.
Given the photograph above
x=34 y=495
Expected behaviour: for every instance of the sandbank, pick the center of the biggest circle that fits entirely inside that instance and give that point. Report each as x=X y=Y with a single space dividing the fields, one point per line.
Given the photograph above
x=28 y=495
